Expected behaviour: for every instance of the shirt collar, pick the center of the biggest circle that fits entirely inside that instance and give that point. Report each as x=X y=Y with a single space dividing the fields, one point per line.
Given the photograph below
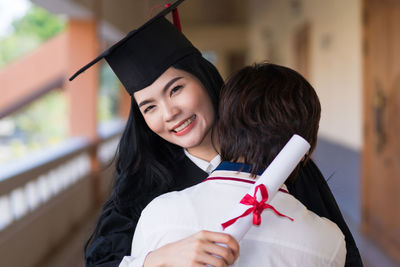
x=235 y=166
x=237 y=171
x=206 y=166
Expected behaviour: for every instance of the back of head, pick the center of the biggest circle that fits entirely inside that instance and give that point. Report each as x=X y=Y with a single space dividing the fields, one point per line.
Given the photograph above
x=261 y=107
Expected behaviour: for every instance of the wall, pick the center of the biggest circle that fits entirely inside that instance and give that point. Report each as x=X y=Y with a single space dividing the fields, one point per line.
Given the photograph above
x=335 y=71
x=335 y=56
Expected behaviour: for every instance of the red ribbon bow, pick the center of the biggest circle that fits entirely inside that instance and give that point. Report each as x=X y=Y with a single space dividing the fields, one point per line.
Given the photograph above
x=257 y=207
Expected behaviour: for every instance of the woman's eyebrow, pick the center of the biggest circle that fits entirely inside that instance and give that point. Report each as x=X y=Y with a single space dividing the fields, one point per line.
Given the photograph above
x=144 y=103
x=164 y=90
x=170 y=83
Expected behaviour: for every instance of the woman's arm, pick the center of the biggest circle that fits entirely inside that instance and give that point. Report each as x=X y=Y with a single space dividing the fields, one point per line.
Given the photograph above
x=196 y=250
x=160 y=239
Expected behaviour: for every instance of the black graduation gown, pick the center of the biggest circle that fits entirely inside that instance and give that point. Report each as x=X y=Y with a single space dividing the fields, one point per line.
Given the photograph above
x=114 y=239
x=311 y=189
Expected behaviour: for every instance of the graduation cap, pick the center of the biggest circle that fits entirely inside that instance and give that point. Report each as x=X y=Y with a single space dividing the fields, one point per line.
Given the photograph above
x=145 y=53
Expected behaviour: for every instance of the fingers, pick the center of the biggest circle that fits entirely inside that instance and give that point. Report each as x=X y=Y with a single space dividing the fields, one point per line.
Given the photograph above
x=220 y=251
x=233 y=245
x=208 y=259
x=216 y=237
x=200 y=249
x=229 y=253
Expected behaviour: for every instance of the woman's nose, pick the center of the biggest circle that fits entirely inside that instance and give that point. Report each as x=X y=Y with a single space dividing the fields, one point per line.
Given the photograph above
x=170 y=111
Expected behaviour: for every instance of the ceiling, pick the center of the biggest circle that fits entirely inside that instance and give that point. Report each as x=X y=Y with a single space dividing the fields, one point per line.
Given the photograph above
x=125 y=15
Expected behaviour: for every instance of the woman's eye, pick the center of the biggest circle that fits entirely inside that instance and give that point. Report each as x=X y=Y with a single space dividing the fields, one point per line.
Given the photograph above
x=148 y=109
x=175 y=89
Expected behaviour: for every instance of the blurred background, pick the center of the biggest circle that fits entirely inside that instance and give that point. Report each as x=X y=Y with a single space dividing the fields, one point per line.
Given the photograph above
x=58 y=139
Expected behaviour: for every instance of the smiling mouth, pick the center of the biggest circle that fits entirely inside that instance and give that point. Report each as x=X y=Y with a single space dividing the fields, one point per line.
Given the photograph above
x=184 y=124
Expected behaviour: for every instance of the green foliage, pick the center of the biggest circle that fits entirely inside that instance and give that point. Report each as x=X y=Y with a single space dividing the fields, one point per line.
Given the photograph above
x=29 y=32
x=38 y=23
x=43 y=122
x=15 y=46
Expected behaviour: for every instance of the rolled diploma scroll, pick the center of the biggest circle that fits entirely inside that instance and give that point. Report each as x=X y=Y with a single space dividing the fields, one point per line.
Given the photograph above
x=273 y=178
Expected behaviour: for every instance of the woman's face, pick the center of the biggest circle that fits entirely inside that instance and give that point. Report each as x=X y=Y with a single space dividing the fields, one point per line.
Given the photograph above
x=178 y=108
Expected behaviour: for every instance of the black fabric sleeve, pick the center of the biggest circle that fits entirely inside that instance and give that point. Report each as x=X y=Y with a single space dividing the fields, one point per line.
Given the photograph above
x=311 y=189
x=113 y=241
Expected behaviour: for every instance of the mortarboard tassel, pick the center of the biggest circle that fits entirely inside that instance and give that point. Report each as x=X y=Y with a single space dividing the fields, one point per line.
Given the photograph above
x=175 y=17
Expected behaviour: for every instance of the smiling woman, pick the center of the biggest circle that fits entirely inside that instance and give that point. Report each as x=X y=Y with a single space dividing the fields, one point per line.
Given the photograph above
x=174 y=98
x=177 y=107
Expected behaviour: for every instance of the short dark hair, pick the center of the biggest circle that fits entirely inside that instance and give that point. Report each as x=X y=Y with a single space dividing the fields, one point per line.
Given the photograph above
x=261 y=107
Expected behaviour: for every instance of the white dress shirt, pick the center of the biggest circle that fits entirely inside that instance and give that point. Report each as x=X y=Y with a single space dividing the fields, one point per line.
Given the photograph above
x=206 y=166
x=309 y=240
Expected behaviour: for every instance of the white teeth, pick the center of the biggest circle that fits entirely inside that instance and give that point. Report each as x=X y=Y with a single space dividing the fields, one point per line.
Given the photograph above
x=185 y=124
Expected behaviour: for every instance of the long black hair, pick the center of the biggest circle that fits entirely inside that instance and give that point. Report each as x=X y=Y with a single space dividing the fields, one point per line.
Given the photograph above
x=145 y=162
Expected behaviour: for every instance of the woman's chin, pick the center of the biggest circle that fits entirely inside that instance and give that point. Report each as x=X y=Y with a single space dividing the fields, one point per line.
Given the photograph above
x=189 y=145
x=190 y=142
